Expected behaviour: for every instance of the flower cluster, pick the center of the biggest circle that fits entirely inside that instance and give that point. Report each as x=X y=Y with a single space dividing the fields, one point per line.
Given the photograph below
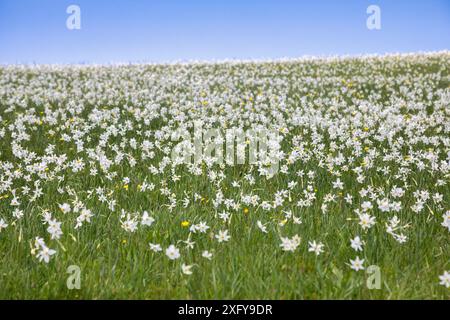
x=364 y=141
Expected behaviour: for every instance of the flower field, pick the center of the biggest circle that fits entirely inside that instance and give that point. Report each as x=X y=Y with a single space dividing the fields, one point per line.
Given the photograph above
x=358 y=207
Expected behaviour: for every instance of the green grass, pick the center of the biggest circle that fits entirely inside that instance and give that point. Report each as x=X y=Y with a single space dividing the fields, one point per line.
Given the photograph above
x=251 y=265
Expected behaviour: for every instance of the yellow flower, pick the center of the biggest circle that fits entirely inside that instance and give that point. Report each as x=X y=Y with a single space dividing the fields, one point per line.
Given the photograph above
x=185 y=224
x=125 y=187
x=366 y=149
x=366 y=129
x=245 y=210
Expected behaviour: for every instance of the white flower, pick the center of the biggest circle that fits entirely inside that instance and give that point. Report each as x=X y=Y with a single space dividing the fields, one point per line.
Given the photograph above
x=3 y=224
x=261 y=226
x=366 y=221
x=146 y=220
x=85 y=215
x=357 y=264
x=189 y=243
x=445 y=223
x=338 y=184
x=186 y=269
x=356 y=243
x=401 y=238
x=202 y=227
x=54 y=228
x=155 y=247
x=223 y=236
x=290 y=244
x=317 y=248
x=296 y=220
x=397 y=192
x=445 y=279
x=130 y=224
x=384 y=205
x=348 y=198
x=172 y=252
x=366 y=205
x=65 y=207
x=206 y=254
x=17 y=213
x=45 y=254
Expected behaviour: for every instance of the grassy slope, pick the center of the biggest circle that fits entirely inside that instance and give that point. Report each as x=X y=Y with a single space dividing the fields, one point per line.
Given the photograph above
x=116 y=264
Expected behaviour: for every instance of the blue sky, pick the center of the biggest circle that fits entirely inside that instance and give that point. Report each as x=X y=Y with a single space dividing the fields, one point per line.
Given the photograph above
x=34 y=31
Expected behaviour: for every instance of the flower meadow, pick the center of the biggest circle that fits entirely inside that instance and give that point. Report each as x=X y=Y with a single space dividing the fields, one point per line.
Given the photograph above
x=358 y=208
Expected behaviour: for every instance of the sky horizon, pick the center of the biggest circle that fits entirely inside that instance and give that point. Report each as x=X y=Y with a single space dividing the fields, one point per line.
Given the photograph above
x=36 y=32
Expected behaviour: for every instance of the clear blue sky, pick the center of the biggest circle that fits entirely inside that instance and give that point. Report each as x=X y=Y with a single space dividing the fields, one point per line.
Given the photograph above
x=34 y=31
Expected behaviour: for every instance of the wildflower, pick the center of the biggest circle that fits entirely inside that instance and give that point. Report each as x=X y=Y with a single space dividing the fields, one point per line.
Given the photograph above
x=17 y=213
x=297 y=220
x=65 y=208
x=290 y=244
x=54 y=228
x=445 y=279
x=85 y=215
x=223 y=236
x=384 y=205
x=317 y=248
x=366 y=205
x=357 y=264
x=206 y=254
x=189 y=243
x=146 y=220
x=186 y=269
x=366 y=221
x=445 y=223
x=172 y=252
x=185 y=224
x=202 y=227
x=155 y=247
x=45 y=254
x=356 y=243
x=397 y=192
x=3 y=224
x=261 y=226
x=338 y=184
x=130 y=224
